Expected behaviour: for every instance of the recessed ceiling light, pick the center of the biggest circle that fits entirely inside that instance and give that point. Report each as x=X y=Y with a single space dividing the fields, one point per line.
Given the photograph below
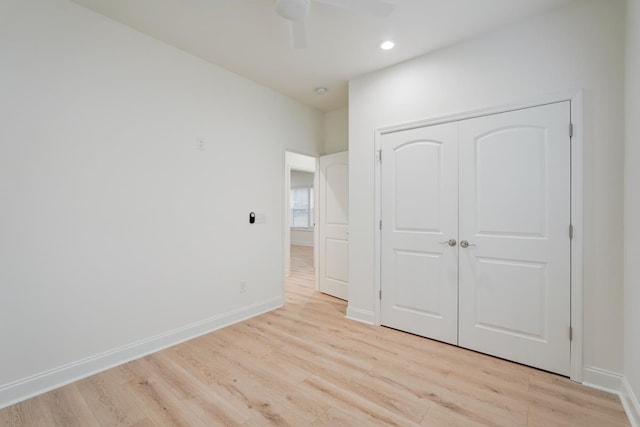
x=386 y=45
x=320 y=90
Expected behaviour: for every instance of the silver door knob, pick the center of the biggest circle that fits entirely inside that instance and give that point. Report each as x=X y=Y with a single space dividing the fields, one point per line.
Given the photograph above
x=465 y=244
x=450 y=242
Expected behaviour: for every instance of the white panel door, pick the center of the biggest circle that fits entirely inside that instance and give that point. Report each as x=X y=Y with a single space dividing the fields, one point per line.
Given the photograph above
x=515 y=213
x=333 y=278
x=419 y=182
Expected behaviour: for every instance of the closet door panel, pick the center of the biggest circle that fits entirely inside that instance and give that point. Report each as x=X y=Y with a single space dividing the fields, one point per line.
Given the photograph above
x=419 y=182
x=515 y=214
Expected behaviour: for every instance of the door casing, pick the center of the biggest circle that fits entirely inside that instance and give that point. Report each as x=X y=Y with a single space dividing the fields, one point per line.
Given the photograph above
x=576 y=102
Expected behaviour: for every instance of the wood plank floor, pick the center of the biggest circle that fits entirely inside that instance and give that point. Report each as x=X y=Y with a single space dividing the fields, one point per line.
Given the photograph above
x=306 y=365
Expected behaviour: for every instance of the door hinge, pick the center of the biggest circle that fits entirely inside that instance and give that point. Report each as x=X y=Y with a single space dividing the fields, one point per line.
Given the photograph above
x=570 y=130
x=570 y=333
x=380 y=156
x=380 y=294
x=571 y=232
x=380 y=224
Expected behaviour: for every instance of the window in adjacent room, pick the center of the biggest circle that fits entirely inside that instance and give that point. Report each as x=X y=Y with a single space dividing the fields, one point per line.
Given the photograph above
x=301 y=207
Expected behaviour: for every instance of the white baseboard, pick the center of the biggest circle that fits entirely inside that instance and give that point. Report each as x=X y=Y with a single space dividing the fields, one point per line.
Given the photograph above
x=630 y=403
x=617 y=384
x=360 y=315
x=40 y=383
x=602 y=379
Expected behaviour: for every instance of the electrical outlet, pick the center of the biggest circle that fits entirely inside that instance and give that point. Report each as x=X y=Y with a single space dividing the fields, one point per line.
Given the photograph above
x=243 y=286
x=200 y=144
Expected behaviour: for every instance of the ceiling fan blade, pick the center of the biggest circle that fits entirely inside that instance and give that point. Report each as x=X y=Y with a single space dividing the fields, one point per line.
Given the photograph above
x=299 y=34
x=377 y=8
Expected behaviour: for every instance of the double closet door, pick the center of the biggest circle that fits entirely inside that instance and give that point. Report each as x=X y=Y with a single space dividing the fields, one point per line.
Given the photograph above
x=475 y=240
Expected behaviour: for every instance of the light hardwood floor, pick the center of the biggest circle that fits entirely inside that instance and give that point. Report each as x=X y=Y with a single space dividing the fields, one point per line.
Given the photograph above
x=306 y=365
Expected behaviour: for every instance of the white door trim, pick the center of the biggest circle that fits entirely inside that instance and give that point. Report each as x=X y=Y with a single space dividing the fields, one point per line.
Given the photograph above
x=577 y=141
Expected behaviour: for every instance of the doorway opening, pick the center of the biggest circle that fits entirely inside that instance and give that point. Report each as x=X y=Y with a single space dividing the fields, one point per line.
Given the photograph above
x=300 y=237
x=323 y=210
x=302 y=223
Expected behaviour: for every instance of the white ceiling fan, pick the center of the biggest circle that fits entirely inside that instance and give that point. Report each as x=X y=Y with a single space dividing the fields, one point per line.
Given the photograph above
x=295 y=11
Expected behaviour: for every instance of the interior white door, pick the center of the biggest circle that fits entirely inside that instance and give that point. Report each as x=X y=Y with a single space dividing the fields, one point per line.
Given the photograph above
x=333 y=275
x=515 y=213
x=419 y=183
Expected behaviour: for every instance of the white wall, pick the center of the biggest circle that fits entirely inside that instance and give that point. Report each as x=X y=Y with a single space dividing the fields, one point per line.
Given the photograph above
x=580 y=45
x=336 y=131
x=302 y=237
x=632 y=202
x=115 y=226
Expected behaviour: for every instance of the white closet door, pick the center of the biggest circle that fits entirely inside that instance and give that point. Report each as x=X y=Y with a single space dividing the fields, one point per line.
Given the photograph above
x=419 y=181
x=334 y=225
x=515 y=213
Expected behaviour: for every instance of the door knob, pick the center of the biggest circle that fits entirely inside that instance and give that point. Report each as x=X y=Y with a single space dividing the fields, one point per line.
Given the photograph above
x=465 y=244
x=450 y=242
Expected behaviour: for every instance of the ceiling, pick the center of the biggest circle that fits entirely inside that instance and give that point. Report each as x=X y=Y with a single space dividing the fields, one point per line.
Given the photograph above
x=250 y=39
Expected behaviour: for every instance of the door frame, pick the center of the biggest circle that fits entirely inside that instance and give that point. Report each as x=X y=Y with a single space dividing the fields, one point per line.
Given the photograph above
x=576 y=99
